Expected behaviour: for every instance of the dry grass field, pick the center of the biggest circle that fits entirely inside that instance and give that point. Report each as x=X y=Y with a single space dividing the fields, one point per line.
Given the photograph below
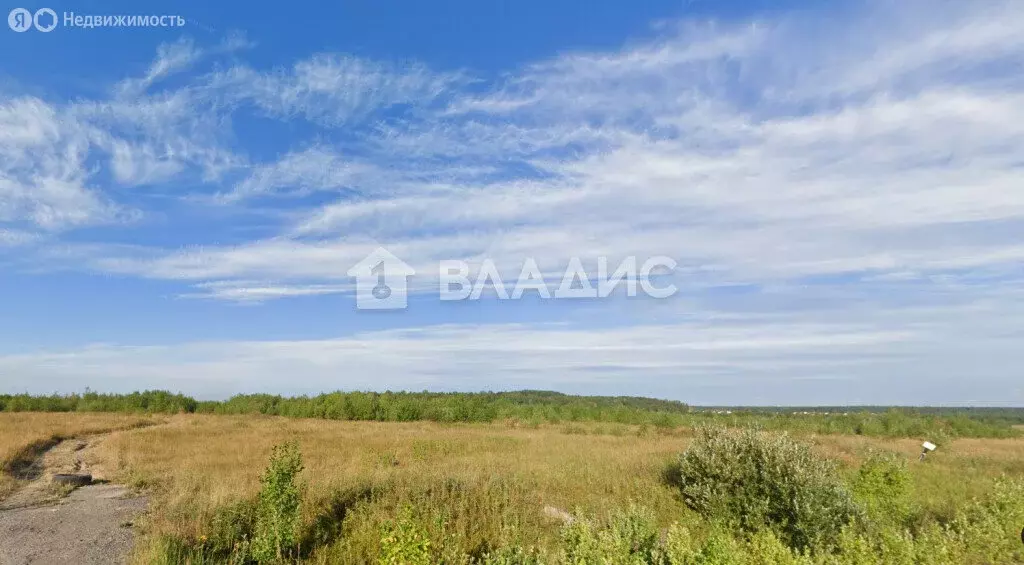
x=474 y=485
x=480 y=482
x=488 y=481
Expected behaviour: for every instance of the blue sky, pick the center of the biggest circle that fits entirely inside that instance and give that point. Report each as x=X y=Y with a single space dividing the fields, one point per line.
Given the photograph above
x=840 y=186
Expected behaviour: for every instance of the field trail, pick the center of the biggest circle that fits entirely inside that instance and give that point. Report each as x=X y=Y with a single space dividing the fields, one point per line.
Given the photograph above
x=90 y=525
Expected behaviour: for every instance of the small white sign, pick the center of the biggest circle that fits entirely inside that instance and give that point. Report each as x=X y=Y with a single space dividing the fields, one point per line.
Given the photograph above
x=928 y=445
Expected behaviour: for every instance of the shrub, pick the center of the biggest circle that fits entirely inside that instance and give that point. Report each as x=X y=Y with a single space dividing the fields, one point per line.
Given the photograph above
x=513 y=555
x=989 y=528
x=633 y=533
x=765 y=548
x=678 y=547
x=277 y=514
x=628 y=538
x=404 y=542
x=581 y=543
x=752 y=480
x=718 y=548
x=883 y=487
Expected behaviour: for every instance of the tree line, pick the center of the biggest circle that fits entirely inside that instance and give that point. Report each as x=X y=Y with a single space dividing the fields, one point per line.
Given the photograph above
x=533 y=407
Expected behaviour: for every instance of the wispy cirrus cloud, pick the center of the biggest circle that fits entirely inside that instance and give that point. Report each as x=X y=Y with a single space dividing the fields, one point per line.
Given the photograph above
x=150 y=133
x=299 y=173
x=332 y=89
x=43 y=176
x=711 y=140
x=171 y=58
x=872 y=155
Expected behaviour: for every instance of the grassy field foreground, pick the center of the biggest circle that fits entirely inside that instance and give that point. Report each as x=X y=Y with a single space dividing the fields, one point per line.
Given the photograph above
x=480 y=484
x=456 y=493
x=472 y=487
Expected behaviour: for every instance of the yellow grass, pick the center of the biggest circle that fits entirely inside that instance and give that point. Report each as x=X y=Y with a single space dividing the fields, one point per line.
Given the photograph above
x=23 y=435
x=477 y=482
x=200 y=463
x=472 y=483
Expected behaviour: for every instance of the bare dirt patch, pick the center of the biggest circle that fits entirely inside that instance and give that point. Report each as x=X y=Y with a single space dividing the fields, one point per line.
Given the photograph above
x=44 y=522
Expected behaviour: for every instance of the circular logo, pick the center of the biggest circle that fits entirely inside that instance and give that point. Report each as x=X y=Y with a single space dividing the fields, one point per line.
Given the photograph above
x=47 y=24
x=19 y=19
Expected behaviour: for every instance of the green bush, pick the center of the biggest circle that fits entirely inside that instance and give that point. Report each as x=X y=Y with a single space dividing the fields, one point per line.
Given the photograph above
x=405 y=542
x=629 y=537
x=277 y=512
x=514 y=555
x=581 y=542
x=718 y=547
x=989 y=528
x=633 y=533
x=679 y=547
x=752 y=480
x=882 y=487
x=765 y=548
x=984 y=531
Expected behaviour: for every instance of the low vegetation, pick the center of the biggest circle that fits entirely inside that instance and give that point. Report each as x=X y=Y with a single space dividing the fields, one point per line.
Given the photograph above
x=421 y=492
x=534 y=408
x=752 y=481
x=277 y=507
x=272 y=489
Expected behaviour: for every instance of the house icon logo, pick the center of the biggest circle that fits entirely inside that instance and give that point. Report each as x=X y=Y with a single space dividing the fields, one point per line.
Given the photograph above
x=382 y=281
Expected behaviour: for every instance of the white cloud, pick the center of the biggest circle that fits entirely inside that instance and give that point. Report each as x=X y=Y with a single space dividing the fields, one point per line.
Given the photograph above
x=881 y=147
x=302 y=172
x=922 y=44
x=454 y=356
x=13 y=238
x=170 y=58
x=55 y=157
x=261 y=291
x=331 y=89
x=662 y=148
x=177 y=57
x=681 y=146
x=43 y=170
x=718 y=357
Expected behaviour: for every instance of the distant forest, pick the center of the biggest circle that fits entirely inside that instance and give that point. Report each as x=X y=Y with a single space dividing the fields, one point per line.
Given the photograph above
x=534 y=408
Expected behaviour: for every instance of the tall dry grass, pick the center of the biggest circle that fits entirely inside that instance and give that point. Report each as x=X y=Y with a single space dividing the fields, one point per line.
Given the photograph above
x=958 y=471
x=473 y=485
x=478 y=482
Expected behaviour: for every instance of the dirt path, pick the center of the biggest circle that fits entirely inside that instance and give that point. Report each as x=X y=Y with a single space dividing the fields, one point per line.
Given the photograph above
x=92 y=525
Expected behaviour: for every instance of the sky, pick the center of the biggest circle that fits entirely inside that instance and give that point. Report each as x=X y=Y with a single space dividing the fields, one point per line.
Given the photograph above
x=838 y=183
